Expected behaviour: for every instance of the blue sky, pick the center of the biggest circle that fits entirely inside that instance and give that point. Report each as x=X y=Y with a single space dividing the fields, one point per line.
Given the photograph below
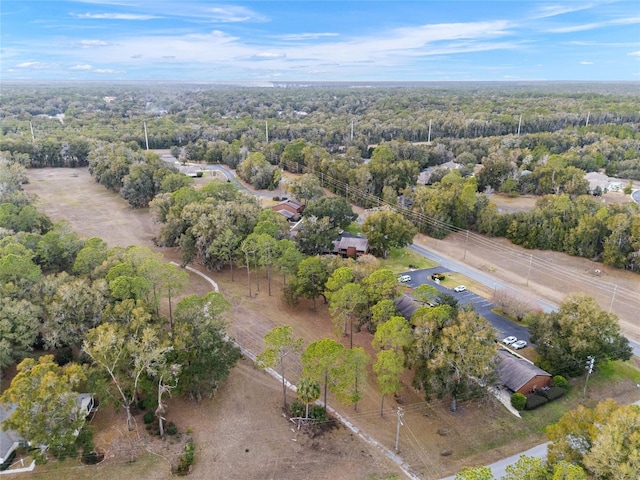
x=262 y=41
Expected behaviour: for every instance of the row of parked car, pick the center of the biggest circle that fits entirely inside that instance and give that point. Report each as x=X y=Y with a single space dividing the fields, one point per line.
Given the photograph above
x=407 y=278
x=514 y=343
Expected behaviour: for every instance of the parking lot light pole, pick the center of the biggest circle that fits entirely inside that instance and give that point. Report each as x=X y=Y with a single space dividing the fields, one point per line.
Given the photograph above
x=589 y=366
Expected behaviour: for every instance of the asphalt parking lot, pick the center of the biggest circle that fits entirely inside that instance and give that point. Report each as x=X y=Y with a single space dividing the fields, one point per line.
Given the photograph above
x=481 y=305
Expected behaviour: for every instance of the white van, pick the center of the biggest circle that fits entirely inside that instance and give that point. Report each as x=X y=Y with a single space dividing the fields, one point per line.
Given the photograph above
x=404 y=278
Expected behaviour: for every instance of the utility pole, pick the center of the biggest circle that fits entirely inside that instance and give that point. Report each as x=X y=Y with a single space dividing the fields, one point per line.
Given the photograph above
x=466 y=241
x=266 y=130
x=146 y=138
x=589 y=366
x=351 y=130
x=33 y=137
x=429 y=137
x=519 y=124
x=400 y=415
x=587 y=122
x=613 y=297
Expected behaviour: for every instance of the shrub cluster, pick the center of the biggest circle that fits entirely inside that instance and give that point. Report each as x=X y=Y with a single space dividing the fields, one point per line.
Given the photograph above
x=560 y=381
x=316 y=412
x=186 y=459
x=553 y=393
x=518 y=401
x=534 y=401
x=148 y=417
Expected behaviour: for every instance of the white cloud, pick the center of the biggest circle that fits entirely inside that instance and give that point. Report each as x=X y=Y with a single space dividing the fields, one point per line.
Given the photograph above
x=634 y=54
x=267 y=56
x=306 y=36
x=231 y=14
x=36 y=65
x=595 y=25
x=547 y=11
x=116 y=16
x=584 y=62
x=106 y=70
x=93 y=43
x=84 y=67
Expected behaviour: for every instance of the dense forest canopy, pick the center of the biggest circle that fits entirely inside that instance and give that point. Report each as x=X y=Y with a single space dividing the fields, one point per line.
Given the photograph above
x=179 y=114
x=367 y=142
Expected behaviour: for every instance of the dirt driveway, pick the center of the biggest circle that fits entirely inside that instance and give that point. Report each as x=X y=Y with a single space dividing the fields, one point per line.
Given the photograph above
x=241 y=432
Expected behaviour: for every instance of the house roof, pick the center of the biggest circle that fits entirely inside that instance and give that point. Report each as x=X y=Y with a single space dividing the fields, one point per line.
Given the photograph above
x=9 y=438
x=360 y=243
x=515 y=372
x=290 y=202
x=286 y=213
x=407 y=306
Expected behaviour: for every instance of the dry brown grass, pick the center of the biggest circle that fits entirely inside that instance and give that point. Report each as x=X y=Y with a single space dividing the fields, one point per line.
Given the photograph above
x=241 y=432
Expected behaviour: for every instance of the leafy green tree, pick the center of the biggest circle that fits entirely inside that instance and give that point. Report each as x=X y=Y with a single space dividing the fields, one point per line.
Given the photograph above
x=336 y=209
x=352 y=378
x=315 y=236
x=386 y=230
x=279 y=343
x=308 y=392
x=391 y=339
x=19 y=326
x=288 y=258
x=322 y=361
x=394 y=334
x=74 y=309
x=338 y=279
x=292 y=157
x=345 y=306
x=457 y=356
x=425 y=294
x=17 y=267
x=47 y=409
x=167 y=280
x=310 y=279
x=306 y=188
x=225 y=246
x=475 y=473
x=126 y=353
x=527 y=468
x=267 y=253
x=90 y=256
x=381 y=312
x=578 y=329
x=604 y=440
x=388 y=367
x=256 y=170
x=200 y=345
x=249 y=248
x=379 y=285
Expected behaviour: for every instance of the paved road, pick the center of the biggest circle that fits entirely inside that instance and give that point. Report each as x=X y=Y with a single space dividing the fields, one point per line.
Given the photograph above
x=481 y=305
x=636 y=196
x=499 y=469
x=488 y=280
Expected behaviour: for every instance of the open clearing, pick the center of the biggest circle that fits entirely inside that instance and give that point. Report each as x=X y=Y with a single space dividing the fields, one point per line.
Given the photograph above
x=241 y=432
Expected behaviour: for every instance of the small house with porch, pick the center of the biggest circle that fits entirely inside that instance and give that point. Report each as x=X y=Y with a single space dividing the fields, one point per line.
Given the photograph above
x=290 y=209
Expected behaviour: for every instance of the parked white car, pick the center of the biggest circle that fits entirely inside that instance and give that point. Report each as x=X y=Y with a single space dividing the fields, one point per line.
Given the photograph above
x=404 y=278
x=518 y=345
x=509 y=340
x=460 y=288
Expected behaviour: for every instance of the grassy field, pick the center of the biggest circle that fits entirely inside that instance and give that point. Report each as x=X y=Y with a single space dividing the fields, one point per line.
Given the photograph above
x=402 y=260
